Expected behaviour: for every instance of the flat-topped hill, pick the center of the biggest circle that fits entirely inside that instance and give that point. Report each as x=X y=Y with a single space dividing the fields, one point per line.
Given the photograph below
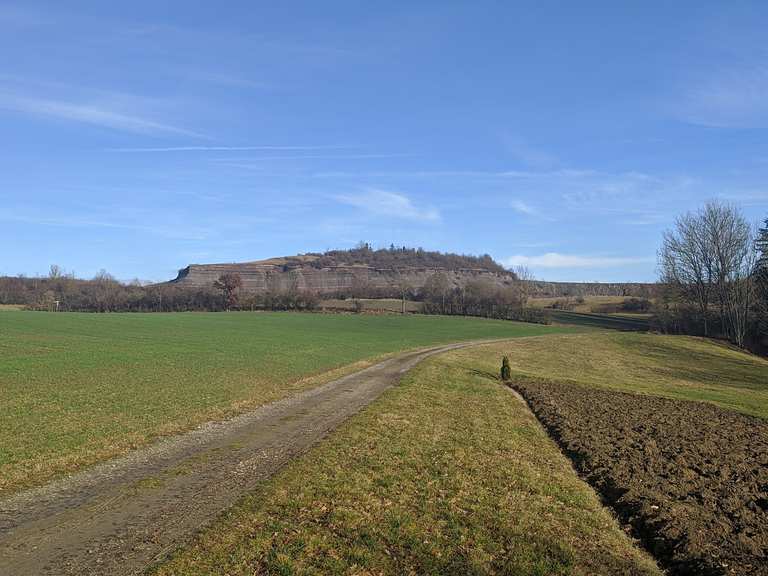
x=360 y=270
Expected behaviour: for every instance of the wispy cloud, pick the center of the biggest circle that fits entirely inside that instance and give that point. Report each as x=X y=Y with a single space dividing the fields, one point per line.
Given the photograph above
x=259 y=162
x=267 y=47
x=391 y=204
x=22 y=17
x=165 y=231
x=730 y=96
x=634 y=197
x=222 y=79
x=259 y=148
x=523 y=208
x=90 y=114
x=528 y=154
x=469 y=174
x=533 y=244
x=557 y=260
x=418 y=174
x=749 y=197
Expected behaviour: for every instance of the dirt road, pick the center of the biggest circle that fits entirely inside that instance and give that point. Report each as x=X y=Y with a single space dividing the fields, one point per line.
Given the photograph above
x=123 y=515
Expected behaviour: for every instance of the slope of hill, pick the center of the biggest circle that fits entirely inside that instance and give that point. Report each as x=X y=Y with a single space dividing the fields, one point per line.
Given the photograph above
x=361 y=270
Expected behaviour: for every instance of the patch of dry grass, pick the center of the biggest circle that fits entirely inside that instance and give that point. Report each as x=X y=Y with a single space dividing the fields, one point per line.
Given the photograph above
x=584 y=305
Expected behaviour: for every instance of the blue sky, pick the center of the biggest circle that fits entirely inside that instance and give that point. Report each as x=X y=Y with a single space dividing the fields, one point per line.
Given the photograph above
x=140 y=137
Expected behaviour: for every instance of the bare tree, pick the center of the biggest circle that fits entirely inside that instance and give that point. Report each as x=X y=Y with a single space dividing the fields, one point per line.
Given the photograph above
x=710 y=257
x=686 y=263
x=55 y=272
x=229 y=284
x=436 y=289
x=761 y=247
x=740 y=292
x=106 y=290
x=360 y=287
x=728 y=241
x=404 y=287
x=525 y=279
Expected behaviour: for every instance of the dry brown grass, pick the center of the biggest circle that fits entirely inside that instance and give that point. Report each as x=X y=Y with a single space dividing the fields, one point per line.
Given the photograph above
x=578 y=306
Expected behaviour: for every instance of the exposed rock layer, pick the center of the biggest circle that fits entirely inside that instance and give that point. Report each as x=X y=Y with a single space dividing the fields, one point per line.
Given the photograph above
x=302 y=273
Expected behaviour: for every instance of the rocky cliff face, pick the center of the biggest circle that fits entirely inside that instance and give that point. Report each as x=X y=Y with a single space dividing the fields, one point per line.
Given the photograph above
x=303 y=273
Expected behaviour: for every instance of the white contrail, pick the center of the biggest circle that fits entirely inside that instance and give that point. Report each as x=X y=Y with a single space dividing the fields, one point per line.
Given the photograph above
x=227 y=148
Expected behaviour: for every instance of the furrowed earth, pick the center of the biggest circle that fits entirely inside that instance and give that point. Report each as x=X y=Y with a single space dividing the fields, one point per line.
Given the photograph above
x=689 y=477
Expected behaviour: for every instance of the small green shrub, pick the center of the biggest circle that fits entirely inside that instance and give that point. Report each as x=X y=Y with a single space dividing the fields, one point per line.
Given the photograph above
x=506 y=371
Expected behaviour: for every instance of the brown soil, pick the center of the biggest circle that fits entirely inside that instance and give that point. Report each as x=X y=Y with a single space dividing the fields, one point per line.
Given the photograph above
x=122 y=516
x=690 y=478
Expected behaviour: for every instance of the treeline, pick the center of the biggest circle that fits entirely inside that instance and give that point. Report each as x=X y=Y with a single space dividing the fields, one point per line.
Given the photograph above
x=402 y=257
x=714 y=277
x=103 y=293
x=439 y=295
x=480 y=298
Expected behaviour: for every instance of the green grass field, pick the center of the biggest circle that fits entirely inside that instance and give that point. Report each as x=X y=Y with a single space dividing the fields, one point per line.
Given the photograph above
x=79 y=388
x=394 y=305
x=447 y=473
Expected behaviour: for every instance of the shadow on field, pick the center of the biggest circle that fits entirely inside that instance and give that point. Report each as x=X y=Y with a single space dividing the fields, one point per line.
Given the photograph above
x=622 y=323
x=483 y=374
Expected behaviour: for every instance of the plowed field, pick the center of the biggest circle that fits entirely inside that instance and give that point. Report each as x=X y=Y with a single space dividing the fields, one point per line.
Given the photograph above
x=690 y=478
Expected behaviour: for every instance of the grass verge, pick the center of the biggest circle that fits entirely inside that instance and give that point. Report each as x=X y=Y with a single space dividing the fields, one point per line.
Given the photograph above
x=447 y=473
